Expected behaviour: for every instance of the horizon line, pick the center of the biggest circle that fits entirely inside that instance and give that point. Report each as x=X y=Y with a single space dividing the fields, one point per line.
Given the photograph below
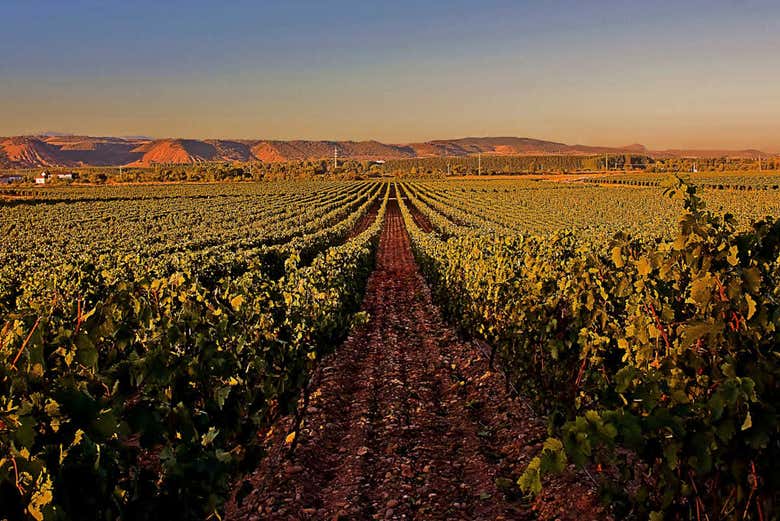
x=50 y=133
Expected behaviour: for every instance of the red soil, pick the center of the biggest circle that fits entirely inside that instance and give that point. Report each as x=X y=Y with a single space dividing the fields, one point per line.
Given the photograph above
x=367 y=220
x=406 y=421
x=419 y=218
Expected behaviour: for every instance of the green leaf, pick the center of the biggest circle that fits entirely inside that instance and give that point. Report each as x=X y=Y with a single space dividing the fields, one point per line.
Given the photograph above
x=106 y=424
x=732 y=257
x=530 y=482
x=553 y=457
x=86 y=352
x=223 y=456
x=236 y=302
x=207 y=438
x=220 y=395
x=696 y=330
x=701 y=290
x=752 y=278
x=751 y=306
x=42 y=497
x=748 y=423
x=25 y=431
x=716 y=406
x=643 y=267
x=670 y=455
x=617 y=257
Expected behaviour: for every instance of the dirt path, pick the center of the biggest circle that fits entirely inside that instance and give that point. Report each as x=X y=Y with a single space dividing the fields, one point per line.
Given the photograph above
x=369 y=217
x=406 y=421
x=420 y=218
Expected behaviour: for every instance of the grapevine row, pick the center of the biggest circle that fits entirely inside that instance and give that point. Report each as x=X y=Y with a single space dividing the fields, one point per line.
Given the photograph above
x=140 y=395
x=656 y=359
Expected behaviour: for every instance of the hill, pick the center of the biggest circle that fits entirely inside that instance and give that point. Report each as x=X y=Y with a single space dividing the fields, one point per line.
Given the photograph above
x=709 y=153
x=297 y=150
x=94 y=151
x=54 y=149
x=180 y=151
x=30 y=151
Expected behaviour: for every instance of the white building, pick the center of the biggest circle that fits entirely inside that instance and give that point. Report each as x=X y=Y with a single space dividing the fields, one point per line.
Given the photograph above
x=45 y=177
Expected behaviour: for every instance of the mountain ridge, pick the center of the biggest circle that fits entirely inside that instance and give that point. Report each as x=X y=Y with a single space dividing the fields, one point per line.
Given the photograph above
x=67 y=150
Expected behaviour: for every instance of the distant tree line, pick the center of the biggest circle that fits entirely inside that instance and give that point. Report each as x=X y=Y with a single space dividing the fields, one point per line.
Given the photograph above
x=215 y=172
x=416 y=167
x=507 y=165
x=720 y=164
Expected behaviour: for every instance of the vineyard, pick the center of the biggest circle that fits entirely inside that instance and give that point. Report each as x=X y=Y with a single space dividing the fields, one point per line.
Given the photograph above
x=428 y=349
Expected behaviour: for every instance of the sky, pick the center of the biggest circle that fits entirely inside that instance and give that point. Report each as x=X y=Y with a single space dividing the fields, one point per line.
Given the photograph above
x=667 y=74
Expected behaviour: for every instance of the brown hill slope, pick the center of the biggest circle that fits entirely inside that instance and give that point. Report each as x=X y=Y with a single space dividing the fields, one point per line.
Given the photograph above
x=273 y=151
x=65 y=150
x=500 y=146
x=179 y=151
x=514 y=146
x=232 y=150
x=23 y=151
x=95 y=151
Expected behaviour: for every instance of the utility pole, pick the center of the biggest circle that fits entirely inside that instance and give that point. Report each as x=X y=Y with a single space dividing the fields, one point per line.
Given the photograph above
x=606 y=161
x=759 y=162
x=479 y=163
x=335 y=157
x=448 y=168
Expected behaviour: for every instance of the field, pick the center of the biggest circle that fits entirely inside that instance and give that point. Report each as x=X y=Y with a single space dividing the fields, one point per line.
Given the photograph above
x=533 y=348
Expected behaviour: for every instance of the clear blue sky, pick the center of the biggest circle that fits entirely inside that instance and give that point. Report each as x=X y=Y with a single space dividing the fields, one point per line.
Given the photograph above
x=690 y=73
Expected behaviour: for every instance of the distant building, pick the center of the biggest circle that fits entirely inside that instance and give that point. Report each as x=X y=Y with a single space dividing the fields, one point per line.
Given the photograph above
x=45 y=177
x=9 y=179
x=378 y=162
